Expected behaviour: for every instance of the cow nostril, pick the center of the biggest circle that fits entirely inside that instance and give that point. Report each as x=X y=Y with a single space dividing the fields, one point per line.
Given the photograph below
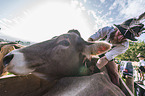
x=7 y=59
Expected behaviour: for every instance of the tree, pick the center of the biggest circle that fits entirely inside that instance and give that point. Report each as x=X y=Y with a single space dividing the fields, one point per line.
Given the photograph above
x=134 y=49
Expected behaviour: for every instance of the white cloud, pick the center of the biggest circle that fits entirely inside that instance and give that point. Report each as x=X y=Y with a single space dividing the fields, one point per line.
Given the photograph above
x=102 y=1
x=9 y=23
x=114 y=5
x=85 y=1
x=77 y=4
x=120 y=3
x=129 y=8
x=134 y=8
x=47 y=20
x=105 y=15
x=99 y=21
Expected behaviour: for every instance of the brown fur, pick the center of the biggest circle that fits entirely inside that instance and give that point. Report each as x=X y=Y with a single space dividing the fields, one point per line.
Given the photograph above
x=59 y=57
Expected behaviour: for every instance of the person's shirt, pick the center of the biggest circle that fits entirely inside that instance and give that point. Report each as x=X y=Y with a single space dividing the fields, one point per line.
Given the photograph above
x=115 y=51
x=142 y=63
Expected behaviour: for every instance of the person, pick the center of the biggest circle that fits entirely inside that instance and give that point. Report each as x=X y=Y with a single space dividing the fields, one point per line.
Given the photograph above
x=118 y=36
x=141 y=66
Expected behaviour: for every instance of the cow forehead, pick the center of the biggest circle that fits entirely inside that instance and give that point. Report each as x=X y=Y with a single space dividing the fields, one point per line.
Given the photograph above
x=65 y=41
x=70 y=37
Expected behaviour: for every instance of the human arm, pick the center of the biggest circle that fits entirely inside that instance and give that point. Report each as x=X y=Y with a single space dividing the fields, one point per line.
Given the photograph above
x=112 y=54
x=119 y=49
x=100 y=34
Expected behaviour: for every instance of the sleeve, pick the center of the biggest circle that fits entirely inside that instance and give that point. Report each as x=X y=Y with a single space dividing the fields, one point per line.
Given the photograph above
x=116 y=51
x=101 y=33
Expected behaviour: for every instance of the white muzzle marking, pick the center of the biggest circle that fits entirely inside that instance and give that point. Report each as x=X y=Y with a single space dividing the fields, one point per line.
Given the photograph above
x=18 y=64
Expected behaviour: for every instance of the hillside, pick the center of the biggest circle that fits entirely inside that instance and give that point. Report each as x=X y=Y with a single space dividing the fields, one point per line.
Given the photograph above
x=6 y=38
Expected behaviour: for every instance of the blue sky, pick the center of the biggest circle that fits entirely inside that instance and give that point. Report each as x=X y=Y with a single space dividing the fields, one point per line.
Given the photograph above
x=39 y=20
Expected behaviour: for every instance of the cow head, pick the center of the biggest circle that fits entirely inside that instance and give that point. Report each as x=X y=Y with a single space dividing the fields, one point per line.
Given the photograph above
x=58 y=57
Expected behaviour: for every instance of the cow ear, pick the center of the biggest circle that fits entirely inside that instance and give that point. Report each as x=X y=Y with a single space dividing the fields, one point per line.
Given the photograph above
x=96 y=48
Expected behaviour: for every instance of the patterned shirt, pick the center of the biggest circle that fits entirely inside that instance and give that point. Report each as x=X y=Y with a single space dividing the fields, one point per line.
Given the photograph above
x=118 y=49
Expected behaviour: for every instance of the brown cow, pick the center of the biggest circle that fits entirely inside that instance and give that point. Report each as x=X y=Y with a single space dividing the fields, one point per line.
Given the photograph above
x=62 y=56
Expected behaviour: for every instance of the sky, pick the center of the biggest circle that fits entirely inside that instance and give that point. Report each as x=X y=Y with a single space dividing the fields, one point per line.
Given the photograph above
x=40 y=20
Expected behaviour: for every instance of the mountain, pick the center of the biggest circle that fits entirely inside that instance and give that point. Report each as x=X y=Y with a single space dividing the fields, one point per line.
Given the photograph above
x=7 y=38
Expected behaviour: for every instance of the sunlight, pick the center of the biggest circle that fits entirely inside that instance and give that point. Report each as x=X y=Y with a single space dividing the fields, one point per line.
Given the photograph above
x=48 y=20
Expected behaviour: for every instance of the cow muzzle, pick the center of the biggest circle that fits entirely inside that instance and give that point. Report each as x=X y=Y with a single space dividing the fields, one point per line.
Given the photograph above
x=14 y=62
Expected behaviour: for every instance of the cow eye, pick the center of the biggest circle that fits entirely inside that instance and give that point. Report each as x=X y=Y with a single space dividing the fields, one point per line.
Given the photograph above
x=64 y=43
